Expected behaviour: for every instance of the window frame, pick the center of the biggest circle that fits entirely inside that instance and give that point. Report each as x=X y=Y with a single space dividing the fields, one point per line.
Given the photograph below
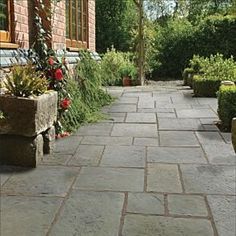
x=6 y=36
x=76 y=43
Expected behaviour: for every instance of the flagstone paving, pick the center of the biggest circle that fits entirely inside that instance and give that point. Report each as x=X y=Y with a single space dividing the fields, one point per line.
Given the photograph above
x=158 y=166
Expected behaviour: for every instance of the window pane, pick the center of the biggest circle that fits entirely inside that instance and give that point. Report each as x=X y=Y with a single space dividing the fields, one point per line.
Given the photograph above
x=73 y=23
x=3 y=15
x=67 y=18
x=84 y=20
x=79 y=21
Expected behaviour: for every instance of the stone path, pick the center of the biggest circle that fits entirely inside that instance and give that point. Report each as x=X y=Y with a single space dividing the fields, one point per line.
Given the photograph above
x=158 y=166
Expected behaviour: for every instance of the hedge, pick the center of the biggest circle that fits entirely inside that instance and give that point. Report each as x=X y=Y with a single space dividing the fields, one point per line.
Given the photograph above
x=226 y=106
x=205 y=87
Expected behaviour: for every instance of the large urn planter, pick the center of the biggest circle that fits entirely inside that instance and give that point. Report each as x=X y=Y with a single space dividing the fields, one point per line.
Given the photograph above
x=26 y=131
x=234 y=133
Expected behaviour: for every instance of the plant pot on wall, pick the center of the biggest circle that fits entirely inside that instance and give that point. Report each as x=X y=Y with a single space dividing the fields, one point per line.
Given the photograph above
x=127 y=81
x=24 y=128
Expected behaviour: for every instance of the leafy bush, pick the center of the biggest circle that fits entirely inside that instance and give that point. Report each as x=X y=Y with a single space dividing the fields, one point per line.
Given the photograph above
x=112 y=65
x=25 y=81
x=205 y=87
x=227 y=105
x=128 y=69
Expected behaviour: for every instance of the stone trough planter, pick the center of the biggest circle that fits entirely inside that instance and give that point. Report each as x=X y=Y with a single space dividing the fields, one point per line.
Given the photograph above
x=27 y=131
x=234 y=133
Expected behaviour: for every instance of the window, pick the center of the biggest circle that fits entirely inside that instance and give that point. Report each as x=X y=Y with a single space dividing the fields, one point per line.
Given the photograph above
x=5 y=21
x=76 y=23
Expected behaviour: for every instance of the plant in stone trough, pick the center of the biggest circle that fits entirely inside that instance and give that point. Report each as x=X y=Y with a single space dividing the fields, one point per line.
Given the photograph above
x=25 y=81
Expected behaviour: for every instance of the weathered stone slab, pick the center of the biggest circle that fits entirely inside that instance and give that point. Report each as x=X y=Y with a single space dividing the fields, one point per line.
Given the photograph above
x=158 y=109
x=28 y=116
x=137 y=94
x=223 y=210
x=175 y=155
x=165 y=226
x=99 y=129
x=210 y=138
x=20 y=150
x=27 y=215
x=220 y=154
x=127 y=100
x=55 y=159
x=67 y=145
x=179 y=124
x=188 y=205
x=195 y=113
x=141 y=118
x=146 y=141
x=113 y=179
x=146 y=103
x=107 y=140
x=123 y=108
x=166 y=115
x=145 y=203
x=163 y=178
x=116 y=117
x=178 y=138
x=49 y=140
x=209 y=179
x=43 y=181
x=90 y=214
x=123 y=156
x=135 y=130
x=87 y=155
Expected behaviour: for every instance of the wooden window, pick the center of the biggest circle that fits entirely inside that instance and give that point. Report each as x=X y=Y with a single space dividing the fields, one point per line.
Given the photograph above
x=5 y=20
x=77 y=23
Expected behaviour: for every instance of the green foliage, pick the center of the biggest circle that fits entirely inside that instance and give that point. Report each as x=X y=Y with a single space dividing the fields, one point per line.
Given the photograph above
x=205 y=87
x=86 y=94
x=129 y=70
x=188 y=76
x=25 y=81
x=227 y=105
x=1 y=115
x=115 y=21
x=112 y=64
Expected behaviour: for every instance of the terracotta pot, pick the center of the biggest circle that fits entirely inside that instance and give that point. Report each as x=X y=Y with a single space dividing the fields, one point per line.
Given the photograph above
x=127 y=81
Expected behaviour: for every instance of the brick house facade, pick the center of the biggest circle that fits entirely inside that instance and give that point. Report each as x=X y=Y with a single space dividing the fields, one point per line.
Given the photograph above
x=17 y=27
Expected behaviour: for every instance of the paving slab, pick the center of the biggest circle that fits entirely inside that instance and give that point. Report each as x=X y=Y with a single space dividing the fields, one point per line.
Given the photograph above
x=179 y=124
x=166 y=115
x=210 y=138
x=43 y=181
x=141 y=118
x=123 y=108
x=159 y=110
x=220 y=153
x=111 y=179
x=87 y=155
x=116 y=117
x=135 y=130
x=178 y=138
x=100 y=129
x=124 y=156
x=99 y=140
x=227 y=137
x=187 y=205
x=195 y=113
x=146 y=141
x=163 y=178
x=67 y=145
x=209 y=179
x=138 y=225
x=175 y=155
x=27 y=215
x=90 y=214
x=126 y=100
x=145 y=203
x=55 y=159
x=223 y=210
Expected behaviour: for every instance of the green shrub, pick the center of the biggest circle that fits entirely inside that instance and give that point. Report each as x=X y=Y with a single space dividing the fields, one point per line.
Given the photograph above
x=227 y=105
x=205 y=87
x=25 y=81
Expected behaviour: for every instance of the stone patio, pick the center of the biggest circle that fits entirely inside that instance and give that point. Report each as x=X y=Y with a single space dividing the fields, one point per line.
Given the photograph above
x=157 y=167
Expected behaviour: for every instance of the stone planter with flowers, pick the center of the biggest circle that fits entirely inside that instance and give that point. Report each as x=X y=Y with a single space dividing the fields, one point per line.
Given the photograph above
x=29 y=111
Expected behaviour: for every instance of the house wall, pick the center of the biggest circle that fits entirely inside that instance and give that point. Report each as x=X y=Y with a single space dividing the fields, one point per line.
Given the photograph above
x=24 y=28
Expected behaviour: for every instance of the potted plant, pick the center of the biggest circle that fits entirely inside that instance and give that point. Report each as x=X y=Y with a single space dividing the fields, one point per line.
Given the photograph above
x=29 y=112
x=128 y=73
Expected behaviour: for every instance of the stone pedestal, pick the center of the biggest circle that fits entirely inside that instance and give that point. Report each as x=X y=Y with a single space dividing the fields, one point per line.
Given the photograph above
x=21 y=151
x=234 y=133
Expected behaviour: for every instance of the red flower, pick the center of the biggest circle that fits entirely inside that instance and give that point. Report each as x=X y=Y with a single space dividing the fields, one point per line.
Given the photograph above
x=65 y=103
x=50 y=61
x=58 y=75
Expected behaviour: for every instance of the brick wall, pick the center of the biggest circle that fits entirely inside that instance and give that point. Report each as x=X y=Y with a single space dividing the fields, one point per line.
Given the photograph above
x=21 y=24
x=59 y=26
x=91 y=25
